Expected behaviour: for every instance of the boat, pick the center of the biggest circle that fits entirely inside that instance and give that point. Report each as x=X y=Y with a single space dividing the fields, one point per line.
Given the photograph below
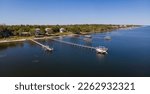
x=102 y=50
x=88 y=36
x=107 y=38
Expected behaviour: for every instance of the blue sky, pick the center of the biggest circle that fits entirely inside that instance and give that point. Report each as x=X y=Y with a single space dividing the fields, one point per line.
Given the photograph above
x=75 y=12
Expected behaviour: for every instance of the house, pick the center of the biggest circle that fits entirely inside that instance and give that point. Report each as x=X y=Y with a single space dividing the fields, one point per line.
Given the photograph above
x=48 y=31
x=62 y=30
x=25 y=34
x=38 y=32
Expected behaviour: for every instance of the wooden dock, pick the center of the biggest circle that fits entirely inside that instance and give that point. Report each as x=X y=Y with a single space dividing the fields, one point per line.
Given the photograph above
x=74 y=44
x=44 y=46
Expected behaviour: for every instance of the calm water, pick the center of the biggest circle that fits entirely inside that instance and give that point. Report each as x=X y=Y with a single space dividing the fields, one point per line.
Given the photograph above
x=129 y=55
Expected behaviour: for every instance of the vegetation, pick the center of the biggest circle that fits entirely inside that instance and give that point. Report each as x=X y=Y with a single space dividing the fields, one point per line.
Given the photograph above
x=21 y=30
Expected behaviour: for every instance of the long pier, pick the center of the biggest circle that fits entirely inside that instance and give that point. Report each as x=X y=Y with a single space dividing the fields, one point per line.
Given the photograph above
x=44 y=46
x=74 y=44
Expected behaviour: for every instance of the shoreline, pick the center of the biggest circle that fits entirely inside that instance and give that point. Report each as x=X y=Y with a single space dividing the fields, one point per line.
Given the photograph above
x=22 y=39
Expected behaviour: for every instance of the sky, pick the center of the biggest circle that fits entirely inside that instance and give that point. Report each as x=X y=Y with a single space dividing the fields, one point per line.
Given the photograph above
x=44 y=12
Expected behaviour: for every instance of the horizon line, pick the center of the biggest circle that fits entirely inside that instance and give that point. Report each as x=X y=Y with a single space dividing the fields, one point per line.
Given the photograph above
x=79 y=24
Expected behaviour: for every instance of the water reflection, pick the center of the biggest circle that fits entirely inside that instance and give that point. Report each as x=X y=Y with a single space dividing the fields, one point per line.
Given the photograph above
x=100 y=56
x=3 y=55
x=47 y=52
x=60 y=37
x=36 y=56
x=35 y=61
x=88 y=41
x=4 y=46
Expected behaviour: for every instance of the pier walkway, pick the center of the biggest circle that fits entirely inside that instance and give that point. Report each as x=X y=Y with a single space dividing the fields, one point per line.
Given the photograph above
x=44 y=46
x=74 y=44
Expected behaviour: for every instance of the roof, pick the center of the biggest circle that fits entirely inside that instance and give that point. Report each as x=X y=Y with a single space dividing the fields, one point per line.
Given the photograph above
x=37 y=29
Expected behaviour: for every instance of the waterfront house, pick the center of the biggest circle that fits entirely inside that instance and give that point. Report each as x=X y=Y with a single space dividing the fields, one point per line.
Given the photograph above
x=25 y=34
x=38 y=32
x=62 y=30
x=48 y=31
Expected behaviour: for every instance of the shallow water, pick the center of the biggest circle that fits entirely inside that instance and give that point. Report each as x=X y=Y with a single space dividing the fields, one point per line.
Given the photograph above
x=128 y=56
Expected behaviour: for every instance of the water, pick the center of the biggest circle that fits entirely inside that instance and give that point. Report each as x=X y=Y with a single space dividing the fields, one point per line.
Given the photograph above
x=128 y=56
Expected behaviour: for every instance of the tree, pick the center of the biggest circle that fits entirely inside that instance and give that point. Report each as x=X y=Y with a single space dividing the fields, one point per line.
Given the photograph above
x=55 y=28
x=16 y=30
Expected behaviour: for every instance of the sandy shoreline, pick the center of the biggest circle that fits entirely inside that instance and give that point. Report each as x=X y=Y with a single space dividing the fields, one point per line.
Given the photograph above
x=26 y=39
x=22 y=40
x=18 y=40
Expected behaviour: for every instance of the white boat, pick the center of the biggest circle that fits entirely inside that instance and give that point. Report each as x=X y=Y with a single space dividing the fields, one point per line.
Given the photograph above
x=88 y=36
x=107 y=38
x=102 y=50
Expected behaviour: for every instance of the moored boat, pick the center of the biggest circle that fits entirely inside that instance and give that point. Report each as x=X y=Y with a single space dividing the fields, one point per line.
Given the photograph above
x=107 y=38
x=102 y=50
x=88 y=36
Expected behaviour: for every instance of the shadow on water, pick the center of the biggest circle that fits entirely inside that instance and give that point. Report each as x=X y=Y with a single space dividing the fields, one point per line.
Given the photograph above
x=101 y=56
x=4 y=46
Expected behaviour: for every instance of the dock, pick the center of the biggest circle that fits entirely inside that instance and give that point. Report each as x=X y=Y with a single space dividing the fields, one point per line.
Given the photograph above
x=100 y=49
x=43 y=46
x=74 y=44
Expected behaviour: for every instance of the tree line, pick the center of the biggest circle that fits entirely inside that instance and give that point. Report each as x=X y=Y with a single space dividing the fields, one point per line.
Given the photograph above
x=16 y=30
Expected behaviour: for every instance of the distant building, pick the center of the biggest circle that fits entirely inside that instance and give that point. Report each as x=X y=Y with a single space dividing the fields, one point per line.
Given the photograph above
x=62 y=30
x=37 y=31
x=25 y=34
x=123 y=26
x=48 y=31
